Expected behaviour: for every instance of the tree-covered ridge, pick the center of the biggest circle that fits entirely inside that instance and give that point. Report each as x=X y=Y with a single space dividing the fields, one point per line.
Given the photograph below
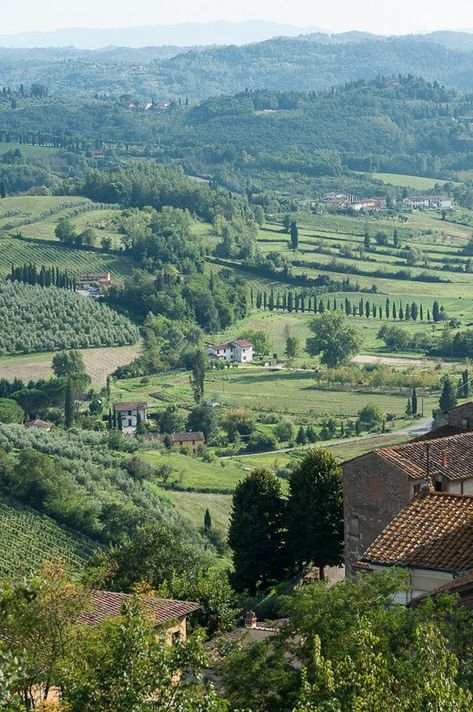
x=302 y=63
x=43 y=319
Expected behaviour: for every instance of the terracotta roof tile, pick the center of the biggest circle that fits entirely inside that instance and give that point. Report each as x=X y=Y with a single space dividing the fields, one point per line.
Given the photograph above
x=106 y=604
x=243 y=343
x=188 y=437
x=130 y=406
x=451 y=457
x=434 y=531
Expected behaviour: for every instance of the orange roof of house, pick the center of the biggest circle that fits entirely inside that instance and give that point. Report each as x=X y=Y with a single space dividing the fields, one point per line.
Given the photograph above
x=451 y=457
x=243 y=343
x=130 y=406
x=38 y=423
x=106 y=604
x=186 y=437
x=434 y=531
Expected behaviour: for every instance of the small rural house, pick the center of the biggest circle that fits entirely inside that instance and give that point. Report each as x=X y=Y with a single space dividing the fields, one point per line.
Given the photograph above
x=378 y=484
x=428 y=202
x=238 y=351
x=170 y=620
x=190 y=441
x=129 y=415
x=431 y=537
x=95 y=279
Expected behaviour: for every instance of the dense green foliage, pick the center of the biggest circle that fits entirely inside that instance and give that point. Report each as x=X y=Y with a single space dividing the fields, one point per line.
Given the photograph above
x=39 y=319
x=356 y=651
x=79 y=480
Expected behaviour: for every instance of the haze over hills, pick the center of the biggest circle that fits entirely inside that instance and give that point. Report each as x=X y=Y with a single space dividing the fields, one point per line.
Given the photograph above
x=182 y=35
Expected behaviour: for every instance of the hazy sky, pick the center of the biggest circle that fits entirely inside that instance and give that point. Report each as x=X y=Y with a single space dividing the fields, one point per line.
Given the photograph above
x=383 y=16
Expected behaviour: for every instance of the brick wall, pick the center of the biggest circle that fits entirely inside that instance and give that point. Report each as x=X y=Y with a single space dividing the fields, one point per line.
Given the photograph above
x=462 y=416
x=374 y=492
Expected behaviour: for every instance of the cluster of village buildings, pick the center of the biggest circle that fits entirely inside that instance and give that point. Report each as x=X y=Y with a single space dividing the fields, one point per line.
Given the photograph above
x=411 y=506
x=345 y=201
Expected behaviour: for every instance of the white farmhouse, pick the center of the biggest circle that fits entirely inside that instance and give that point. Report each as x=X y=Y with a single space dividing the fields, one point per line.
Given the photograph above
x=129 y=415
x=238 y=351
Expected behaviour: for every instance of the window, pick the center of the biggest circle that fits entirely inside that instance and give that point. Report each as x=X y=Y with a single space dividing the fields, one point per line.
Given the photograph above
x=129 y=412
x=438 y=485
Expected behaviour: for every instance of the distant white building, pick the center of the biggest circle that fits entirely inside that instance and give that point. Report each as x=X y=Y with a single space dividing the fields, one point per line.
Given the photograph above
x=130 y=415
x=428 y=202
x=239 y=351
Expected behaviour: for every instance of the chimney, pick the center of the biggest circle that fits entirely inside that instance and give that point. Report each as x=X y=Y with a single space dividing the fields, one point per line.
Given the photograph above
x=250 y=619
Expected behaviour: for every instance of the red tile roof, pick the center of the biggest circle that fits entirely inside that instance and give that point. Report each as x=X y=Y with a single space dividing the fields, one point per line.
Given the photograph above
x=188 y=437
x=129 y=406
x=451 y=457
x=106 y=604
x=243 y=343
x=434 y=531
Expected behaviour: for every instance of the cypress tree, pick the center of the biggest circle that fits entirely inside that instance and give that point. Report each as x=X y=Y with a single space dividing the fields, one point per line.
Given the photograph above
x=290 y=301
x=436 y=311
x=367 y=310
x=401 y=312
x=421 y=312
x=388 y=308
x=408 y=311
x=394 y=311
x=414 y=401
x=265 y=300
x=207 y=521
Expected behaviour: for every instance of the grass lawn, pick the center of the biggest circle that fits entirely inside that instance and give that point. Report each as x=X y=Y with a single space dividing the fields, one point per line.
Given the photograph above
x=29 y=151
x=404 y=181
x=192 y=506
x=191 y=471
x=98 y=362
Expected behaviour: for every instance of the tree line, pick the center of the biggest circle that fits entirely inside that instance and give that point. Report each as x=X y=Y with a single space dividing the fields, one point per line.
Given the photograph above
x=289 y=301
x=29 y=273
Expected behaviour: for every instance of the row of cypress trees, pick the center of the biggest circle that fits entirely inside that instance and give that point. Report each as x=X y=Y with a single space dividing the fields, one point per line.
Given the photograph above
x=29 y=273
x=288 y=301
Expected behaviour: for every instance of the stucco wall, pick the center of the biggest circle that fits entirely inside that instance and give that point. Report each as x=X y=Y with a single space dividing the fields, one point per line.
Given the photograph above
x=458 y=416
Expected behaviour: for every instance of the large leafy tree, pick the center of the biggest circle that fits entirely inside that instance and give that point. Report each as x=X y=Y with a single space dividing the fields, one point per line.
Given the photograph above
x=315 y=511
x=67 y=363
x=256 y=531
x=35 y=625
x=333 y=338
x=357 y=651
x=121 y=664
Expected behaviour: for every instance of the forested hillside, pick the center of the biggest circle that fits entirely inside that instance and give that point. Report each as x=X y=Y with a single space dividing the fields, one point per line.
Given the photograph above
x=302 y=63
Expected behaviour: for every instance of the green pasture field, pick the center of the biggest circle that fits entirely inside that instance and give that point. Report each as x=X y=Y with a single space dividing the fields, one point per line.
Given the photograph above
x=29 y=151
x=405 y=181
x=33 y=205
x=192 y=505
x=189 y=471
x=291 y=393
x=99 y=363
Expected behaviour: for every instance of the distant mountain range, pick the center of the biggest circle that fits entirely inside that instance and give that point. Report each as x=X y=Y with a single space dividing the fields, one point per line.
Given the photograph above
x=181 y=35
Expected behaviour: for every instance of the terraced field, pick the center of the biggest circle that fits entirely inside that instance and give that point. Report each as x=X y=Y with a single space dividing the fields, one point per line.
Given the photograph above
x=29 y=539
